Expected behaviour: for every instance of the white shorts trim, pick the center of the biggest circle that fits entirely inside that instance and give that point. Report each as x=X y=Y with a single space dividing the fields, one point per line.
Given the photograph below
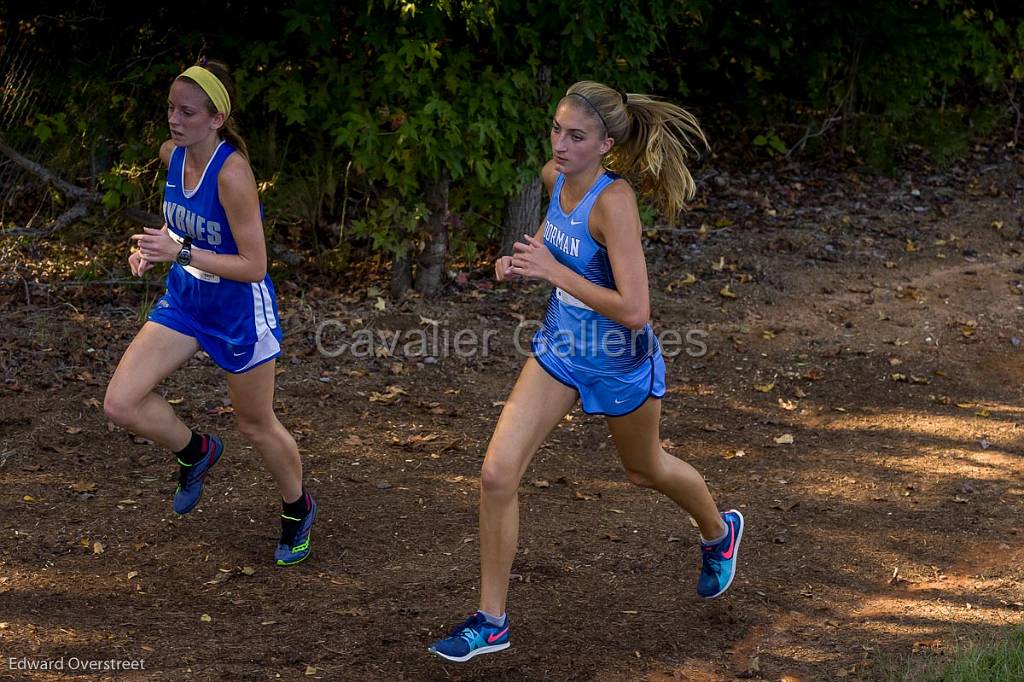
x=267 y=347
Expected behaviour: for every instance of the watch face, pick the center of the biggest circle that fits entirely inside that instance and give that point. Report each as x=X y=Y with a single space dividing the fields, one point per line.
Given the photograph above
x=184 y=257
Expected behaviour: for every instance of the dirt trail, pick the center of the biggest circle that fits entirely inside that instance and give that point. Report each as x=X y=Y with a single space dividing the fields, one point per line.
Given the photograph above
x=881 y=329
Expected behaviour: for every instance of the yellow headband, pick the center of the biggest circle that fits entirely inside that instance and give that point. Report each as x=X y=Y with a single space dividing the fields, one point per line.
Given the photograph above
x=212 y=86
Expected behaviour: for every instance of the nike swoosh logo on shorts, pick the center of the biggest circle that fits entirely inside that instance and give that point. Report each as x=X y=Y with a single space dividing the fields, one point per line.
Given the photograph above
x=237 y=354
x=171 y=186
x=727 y=554
x=619 y=402
x=491 y=639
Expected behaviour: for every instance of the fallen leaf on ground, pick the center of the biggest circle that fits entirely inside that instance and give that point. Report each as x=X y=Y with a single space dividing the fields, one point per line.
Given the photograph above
x=784 y=439
x=930 y=644
x=420 y=439
x=895 y=577
x=390 y=395
x=685 y=281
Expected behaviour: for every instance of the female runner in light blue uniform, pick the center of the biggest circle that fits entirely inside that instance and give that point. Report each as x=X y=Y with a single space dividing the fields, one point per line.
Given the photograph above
x=219 y=298
x=596 y=345
x=612 y=367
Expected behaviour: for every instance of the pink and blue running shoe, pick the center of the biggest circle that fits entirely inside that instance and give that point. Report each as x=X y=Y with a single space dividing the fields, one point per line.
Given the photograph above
x=191 y=476
x=471 y=638
x=719 y=559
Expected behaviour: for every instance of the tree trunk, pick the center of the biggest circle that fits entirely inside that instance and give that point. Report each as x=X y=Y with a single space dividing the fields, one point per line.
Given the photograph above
x=430 y=266
x=401 y=271
x=522 y=215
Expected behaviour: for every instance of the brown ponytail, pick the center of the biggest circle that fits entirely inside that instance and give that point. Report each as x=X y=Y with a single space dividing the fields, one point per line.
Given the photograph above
x=229 y=131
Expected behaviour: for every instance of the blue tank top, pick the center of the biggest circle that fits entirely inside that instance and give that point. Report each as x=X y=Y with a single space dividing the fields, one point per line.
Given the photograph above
x=580 y=335
x=240 y=313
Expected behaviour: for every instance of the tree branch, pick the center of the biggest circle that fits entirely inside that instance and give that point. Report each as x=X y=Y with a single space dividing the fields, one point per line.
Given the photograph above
x=85 y=198
x=43 y=174
x=76 y=212
x=142 y=217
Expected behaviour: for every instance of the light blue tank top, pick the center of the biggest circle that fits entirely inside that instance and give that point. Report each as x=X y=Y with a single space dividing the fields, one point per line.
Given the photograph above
x=580 y=335
x=237 y=312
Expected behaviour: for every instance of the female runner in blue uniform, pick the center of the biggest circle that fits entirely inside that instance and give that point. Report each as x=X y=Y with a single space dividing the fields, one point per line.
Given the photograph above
x=219 y=298
x=596 y=345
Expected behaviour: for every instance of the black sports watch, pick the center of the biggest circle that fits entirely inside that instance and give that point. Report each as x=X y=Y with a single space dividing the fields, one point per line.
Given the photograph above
x=185 y=255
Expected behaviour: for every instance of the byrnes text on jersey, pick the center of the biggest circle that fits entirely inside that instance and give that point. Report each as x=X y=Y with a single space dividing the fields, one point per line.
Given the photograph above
x=192 y=224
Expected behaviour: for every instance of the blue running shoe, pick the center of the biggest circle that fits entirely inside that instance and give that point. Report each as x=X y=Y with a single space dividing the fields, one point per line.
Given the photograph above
x=294 y=545
x=191 y=476
x=472 y=638
x=719 y=559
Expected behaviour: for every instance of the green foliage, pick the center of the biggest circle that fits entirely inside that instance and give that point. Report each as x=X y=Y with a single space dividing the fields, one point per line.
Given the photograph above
x=354 y=110
x=48 y=125
x=403 y=90
x=389 y=223
x=770 y=142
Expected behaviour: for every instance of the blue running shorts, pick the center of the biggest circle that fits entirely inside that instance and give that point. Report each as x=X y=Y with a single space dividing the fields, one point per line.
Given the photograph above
x=610 y=395
x=229 y=357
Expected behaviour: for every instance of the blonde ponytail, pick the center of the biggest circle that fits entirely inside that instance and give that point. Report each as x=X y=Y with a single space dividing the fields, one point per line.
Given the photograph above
x=653 y=141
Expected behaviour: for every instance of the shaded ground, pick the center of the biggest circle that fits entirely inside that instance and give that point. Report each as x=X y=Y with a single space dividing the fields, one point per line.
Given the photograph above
x=876 y=321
